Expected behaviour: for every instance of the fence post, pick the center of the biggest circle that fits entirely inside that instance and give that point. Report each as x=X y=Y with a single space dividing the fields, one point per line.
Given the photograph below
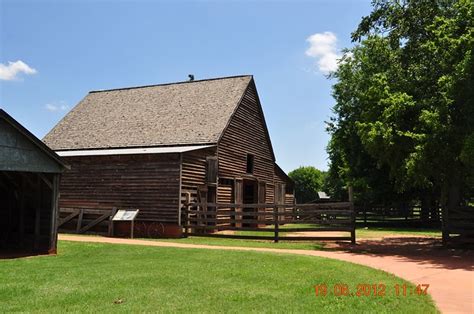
x=353 y=215
x=365 y=215
x=276 y=223
x=111 y=222
x=444 y=225
x=184 y=218
x=353 y=231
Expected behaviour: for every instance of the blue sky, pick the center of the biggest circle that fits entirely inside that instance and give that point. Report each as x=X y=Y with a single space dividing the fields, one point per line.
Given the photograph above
x=67 y=48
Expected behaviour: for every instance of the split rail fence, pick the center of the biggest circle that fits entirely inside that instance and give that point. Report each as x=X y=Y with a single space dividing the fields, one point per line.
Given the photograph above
x=84 y=220
x=269 y=221
x=398 y=216
x=458 y=226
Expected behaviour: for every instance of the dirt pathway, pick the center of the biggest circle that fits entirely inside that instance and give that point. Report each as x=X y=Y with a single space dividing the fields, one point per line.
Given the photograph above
x=449 y=273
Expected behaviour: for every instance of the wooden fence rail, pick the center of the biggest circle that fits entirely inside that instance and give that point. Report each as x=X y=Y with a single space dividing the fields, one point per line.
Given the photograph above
x=85 y=219
x=209 y=219
x=398 y=216
x=458 y=226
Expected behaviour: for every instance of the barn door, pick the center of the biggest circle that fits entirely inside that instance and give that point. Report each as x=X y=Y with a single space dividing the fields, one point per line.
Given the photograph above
x=238 y=199
x=280 y=197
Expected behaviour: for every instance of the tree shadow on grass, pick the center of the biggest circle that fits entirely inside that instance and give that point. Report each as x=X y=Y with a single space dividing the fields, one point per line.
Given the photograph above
x=423 y=250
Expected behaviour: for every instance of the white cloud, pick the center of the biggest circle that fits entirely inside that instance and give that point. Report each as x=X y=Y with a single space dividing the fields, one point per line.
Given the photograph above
x=9 y=72
x=323 y=47
x=61 y=106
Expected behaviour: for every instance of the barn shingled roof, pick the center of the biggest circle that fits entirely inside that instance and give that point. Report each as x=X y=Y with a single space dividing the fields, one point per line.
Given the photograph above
x=184 y=113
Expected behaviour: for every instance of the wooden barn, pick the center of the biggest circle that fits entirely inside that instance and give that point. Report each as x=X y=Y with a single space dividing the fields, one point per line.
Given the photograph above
x=29 y=181
x=153 y=147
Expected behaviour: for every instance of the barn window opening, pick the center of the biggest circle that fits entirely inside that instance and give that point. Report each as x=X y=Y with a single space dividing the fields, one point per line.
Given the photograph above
x=250 y=163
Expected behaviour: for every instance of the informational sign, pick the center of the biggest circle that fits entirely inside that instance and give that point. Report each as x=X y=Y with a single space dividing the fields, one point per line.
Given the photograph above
x=125 y=215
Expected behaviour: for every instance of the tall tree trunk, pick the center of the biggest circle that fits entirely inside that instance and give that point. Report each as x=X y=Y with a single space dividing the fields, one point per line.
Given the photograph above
x=452 y=198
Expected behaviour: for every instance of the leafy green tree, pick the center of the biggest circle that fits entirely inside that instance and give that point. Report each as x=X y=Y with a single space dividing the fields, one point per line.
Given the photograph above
x=404 y=112
x=308 y=181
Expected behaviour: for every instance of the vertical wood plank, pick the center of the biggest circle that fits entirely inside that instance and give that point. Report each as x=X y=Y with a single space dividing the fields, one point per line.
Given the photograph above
x=22 y=210
x=111 y=222
x=38 y=212
x=79 y=220
x=54 y=214
x=238 y=200
x=276 y=223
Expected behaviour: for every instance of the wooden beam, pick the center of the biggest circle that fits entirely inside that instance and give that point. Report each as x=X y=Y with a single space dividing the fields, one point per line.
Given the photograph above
x=79 y=220
x=46 y=180
x=54 y=215
x=94 y=222
x=11 y=179
x=111 y=222
x=68 y=217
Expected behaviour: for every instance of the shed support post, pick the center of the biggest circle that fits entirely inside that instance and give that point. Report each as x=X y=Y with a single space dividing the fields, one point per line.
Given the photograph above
x=54 y=214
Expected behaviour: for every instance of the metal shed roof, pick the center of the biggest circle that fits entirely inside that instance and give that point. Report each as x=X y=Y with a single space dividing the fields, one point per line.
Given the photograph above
x=131 y=151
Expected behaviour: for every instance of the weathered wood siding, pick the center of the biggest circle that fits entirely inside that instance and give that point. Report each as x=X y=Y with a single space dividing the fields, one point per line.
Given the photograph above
x=246 y=134
x=193 y=172
x=270 y=197
x=283 y=188
x=19 y=153
x=147 y=182
x=225 y=193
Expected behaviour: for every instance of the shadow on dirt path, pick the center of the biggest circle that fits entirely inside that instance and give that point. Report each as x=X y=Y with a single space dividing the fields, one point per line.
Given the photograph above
x=422 y=250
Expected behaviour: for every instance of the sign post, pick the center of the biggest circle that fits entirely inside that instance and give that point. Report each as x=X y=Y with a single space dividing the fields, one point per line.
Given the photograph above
x=127 y=215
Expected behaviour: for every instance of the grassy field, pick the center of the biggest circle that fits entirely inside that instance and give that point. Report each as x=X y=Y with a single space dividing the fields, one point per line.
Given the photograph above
x=361 y=234
x=378 y=232
x=247 y=243
x=86 y=277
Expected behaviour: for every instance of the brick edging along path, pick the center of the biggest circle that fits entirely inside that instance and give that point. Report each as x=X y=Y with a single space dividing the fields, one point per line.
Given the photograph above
x=451 y=283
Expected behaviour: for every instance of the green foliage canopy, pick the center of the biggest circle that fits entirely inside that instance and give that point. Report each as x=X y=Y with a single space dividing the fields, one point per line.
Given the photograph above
x=308 y=181
x=404 y=114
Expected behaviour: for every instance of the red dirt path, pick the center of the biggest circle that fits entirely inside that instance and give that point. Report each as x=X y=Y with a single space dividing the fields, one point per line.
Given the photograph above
x=419 y=260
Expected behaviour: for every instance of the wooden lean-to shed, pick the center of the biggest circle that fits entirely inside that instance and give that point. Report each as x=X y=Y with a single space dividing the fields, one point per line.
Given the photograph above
x=152 y=147
x=29 y=181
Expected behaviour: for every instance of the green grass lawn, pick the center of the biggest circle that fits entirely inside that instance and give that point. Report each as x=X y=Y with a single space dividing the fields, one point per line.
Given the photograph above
x=88 y=277
x=361 y=234
x=378 y=232
x=246 y=243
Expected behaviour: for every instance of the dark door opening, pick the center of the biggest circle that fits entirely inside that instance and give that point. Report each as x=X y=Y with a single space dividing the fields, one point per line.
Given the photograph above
x=249 y=197
x=25 y=213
